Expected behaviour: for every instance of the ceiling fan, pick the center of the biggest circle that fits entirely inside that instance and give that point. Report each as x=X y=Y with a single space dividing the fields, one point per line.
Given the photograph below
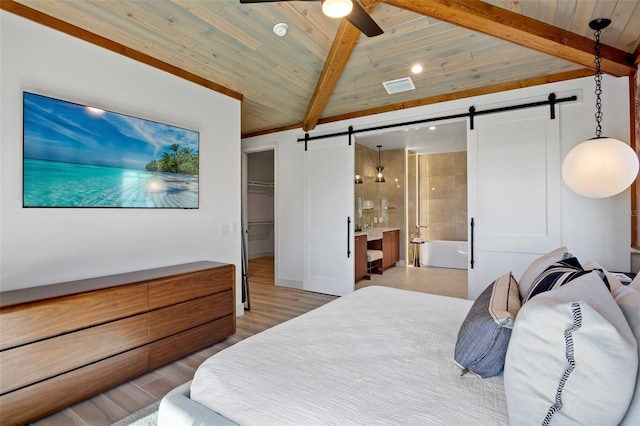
x=349 y=9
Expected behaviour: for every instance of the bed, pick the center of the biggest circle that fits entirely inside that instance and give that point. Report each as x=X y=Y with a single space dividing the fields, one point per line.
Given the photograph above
x=387 y=356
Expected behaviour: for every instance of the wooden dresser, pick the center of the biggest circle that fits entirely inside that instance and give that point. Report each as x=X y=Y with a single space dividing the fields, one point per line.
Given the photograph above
x=63 y=343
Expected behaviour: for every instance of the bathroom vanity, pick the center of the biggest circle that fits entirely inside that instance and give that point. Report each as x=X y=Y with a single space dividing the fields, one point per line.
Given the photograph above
x=385 y=239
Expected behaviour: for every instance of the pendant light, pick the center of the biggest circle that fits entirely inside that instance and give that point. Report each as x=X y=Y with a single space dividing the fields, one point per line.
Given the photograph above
x=379 y=177
x=600 y=167
x=358 y=179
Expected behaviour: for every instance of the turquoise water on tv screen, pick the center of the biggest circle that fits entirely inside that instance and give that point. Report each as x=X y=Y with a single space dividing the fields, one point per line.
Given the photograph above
x=57 y=184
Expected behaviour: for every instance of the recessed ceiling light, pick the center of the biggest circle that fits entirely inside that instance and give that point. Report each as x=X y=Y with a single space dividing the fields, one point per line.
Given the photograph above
x=416 y=69
x=432 y=128
x=280 y=29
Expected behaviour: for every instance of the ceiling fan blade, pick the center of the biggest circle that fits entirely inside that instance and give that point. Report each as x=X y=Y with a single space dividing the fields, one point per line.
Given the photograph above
x=362 y=21
x=268 y=1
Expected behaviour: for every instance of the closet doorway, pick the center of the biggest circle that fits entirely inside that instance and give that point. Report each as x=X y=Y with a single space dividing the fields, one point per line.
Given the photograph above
x=259 y=216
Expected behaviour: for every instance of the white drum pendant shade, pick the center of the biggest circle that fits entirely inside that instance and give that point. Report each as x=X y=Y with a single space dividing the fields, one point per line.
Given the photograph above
x=600 y=167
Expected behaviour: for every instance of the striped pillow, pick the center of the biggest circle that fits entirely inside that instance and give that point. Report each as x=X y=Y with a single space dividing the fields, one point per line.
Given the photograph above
x=540 y=264
x=555 y=276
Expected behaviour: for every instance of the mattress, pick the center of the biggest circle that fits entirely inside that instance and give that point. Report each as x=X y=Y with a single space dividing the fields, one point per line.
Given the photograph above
x=376 y=356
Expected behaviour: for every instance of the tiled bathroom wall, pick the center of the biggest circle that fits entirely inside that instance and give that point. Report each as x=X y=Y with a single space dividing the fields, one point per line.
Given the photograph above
x=381 y=205
x=443 y=196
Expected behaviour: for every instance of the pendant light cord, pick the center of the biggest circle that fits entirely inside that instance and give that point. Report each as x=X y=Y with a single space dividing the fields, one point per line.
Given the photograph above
x=598 y=79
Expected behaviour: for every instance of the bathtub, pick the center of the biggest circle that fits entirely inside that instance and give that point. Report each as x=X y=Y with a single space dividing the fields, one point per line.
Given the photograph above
x=445 y=254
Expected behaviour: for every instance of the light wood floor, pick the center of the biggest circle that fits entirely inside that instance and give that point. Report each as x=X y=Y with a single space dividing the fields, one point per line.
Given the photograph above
x=270 y=305
x=261 y=270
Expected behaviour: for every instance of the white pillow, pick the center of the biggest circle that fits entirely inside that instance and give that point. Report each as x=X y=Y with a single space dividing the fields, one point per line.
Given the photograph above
x=569 y=349
x=614 y=283
x=537 y=267
x=629 y=301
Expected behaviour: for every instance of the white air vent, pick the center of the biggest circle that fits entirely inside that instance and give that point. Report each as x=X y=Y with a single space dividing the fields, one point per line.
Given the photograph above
x=398 y=85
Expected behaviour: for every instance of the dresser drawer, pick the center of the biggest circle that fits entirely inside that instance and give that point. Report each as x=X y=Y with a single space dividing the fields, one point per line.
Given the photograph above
x=168 y=291
x=46 y=397
x=174 y=319
x=34 y=321
x=41 y=360
x=181 y=344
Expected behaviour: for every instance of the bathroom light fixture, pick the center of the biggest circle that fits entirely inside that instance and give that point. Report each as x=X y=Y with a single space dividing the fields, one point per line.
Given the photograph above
x=379 y=177
x=337 y=8
x=600 y=167
x=358 y=179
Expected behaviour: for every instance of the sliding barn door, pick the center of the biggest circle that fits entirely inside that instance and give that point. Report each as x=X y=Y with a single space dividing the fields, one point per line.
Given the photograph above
x=328 y=216
x=514 y=192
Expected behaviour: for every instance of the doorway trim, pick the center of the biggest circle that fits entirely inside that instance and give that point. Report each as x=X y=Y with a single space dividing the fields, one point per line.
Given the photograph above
x=271 y=146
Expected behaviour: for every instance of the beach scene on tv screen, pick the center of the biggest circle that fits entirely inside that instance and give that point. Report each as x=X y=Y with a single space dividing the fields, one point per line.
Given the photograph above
x=80 y=156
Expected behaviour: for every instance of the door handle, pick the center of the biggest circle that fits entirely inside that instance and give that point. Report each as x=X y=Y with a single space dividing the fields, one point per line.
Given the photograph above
x=348 y=237
x=472 y=231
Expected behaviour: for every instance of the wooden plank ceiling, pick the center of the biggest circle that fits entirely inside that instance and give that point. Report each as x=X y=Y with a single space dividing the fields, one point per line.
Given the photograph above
x=324 y=69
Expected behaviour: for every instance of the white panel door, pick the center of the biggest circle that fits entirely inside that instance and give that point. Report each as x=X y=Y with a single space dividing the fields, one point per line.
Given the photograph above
x=328 y=216
x=514 y=192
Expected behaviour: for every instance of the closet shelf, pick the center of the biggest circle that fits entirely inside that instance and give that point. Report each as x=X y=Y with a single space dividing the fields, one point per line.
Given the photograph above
x=260 y=183
x=261 y=223
x=260 y=187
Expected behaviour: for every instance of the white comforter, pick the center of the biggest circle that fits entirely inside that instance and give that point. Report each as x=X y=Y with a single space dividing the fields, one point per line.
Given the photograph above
x=377 y=356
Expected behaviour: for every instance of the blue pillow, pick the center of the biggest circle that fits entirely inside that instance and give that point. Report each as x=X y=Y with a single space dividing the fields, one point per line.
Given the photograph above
x=483 y=338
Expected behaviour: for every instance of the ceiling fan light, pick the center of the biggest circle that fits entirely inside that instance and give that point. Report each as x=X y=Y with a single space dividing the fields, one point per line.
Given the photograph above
x=337 y=8
x=600 y=167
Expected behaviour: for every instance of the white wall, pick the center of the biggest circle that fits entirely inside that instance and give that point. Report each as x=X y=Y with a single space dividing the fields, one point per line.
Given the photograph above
x=591 y=229
x=43 y=246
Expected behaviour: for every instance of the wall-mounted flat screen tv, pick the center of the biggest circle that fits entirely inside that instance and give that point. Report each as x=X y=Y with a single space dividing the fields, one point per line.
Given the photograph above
x=79 y=156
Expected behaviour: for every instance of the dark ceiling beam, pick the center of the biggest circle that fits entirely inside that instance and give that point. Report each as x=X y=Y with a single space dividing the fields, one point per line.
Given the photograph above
x=515 y=28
